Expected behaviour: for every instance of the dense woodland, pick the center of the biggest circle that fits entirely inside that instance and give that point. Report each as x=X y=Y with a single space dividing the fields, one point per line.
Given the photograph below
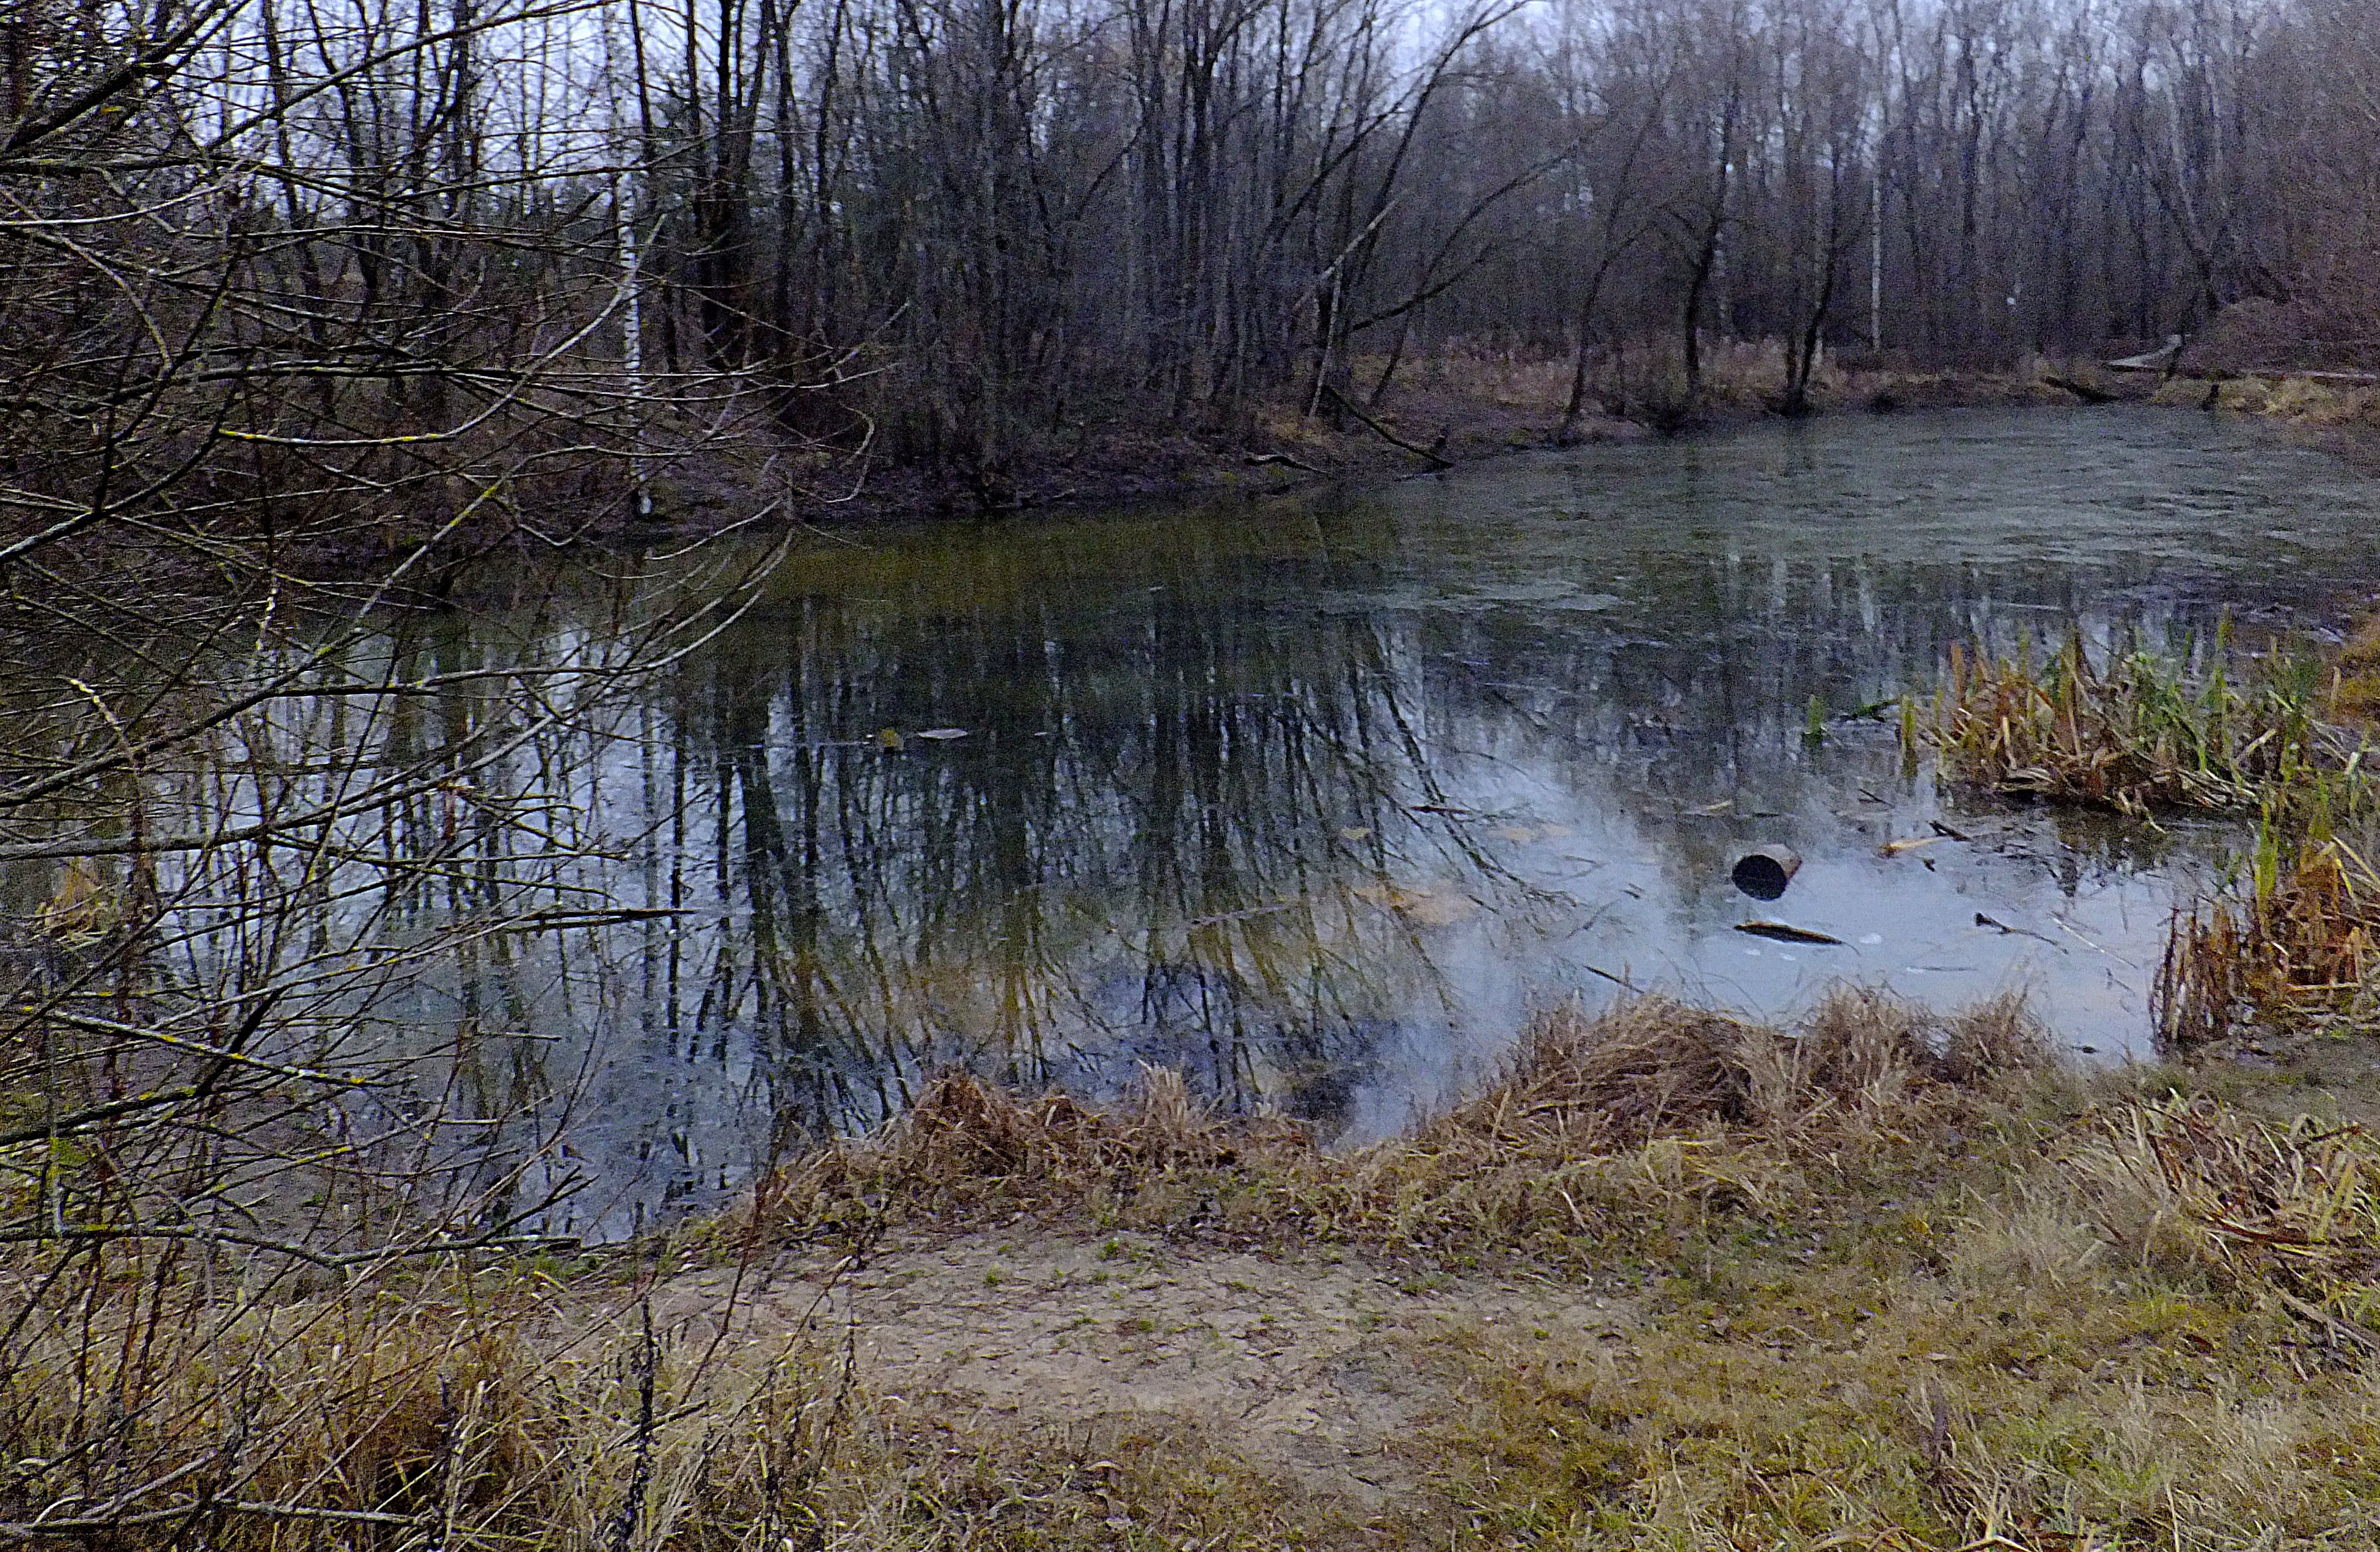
x=249 y=243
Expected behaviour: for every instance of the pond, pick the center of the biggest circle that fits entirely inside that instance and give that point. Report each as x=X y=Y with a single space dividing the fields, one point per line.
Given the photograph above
x=1317 y=798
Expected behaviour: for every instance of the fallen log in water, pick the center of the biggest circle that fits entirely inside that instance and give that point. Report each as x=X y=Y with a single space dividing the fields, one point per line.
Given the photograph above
x=1786 y=933
x=1764 y=871
x=2082 y=391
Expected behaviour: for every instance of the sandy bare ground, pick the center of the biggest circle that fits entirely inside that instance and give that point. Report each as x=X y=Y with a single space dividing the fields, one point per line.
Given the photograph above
x=1316 y=1369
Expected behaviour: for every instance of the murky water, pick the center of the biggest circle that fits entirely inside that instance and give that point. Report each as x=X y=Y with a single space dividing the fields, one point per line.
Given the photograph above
x=1317 y=798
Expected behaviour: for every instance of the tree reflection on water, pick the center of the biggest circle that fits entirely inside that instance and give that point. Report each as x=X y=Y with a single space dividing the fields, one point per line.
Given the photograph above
x=1309 y=800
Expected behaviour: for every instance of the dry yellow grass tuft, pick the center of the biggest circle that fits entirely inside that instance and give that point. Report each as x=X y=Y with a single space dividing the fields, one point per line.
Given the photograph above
x=2293 y=1209
x=1654 y=1067
x=467 y=1410
x=1601 y=1126
x=2358 y=666
x=2297 y=950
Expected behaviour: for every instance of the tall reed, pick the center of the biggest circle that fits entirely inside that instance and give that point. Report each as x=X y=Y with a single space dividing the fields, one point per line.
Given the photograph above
x=2290 y=941
x=2140 y=733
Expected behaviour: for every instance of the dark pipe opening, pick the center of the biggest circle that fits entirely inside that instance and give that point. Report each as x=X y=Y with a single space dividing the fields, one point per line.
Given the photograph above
x=1765 y=873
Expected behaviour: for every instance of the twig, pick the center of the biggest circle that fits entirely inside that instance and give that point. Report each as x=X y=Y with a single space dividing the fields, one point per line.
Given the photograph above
x=31 y=1530
x=1259 y=460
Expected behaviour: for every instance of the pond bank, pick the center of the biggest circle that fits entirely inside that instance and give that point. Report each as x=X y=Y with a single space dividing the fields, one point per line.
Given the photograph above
x=1468 y=408
x=1673 y=1280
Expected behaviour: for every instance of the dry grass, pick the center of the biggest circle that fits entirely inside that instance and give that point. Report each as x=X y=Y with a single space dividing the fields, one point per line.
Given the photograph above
x=1897 y=1399
x=1654 y=1068
x=2291 y=1210
x=510 y=1410
x=467 y=1410
x=1904 y=1285
x=2356 y=665
x=2300 y=401
x=1602 y=1127
x=2295 y=953
x=2139 y=1326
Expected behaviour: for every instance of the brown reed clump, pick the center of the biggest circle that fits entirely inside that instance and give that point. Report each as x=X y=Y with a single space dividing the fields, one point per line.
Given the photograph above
x=1595 y=1115
x=1654 y=1068
x=2297 y=950
x=967 y=1144
x=2139 y=734
x=2292 y=1209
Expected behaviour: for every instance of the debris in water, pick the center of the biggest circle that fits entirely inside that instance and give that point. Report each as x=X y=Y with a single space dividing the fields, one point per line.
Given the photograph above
x=1764 y=871
x=1221 y=916
x=1983 y=920
x=1424 y=907
x=888 y=740
x=1945 y=832
x=1785 y=932
x=940 y=735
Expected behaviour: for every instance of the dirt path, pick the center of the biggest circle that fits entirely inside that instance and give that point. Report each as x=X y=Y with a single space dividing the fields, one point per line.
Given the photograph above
x=1315 y=1369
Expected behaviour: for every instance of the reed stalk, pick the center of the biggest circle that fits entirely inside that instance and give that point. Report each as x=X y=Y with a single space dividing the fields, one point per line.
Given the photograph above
x=2143 y=734
x=2289 y=943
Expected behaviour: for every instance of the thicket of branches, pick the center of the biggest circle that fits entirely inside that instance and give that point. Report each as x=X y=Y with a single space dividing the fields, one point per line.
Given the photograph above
x=1175 y=209
x=249 y=242
x=1172 y=210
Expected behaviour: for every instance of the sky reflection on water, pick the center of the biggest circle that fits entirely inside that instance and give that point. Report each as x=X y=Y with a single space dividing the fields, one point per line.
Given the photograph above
x=1316 y=799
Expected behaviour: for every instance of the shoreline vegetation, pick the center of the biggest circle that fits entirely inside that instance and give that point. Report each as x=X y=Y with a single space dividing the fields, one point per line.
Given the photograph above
x=2277 y=737
x=1467 y=405
x=1670 y=1279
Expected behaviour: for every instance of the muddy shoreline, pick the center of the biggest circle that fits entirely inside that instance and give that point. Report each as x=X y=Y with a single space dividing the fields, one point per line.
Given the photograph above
x=1467 y=420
